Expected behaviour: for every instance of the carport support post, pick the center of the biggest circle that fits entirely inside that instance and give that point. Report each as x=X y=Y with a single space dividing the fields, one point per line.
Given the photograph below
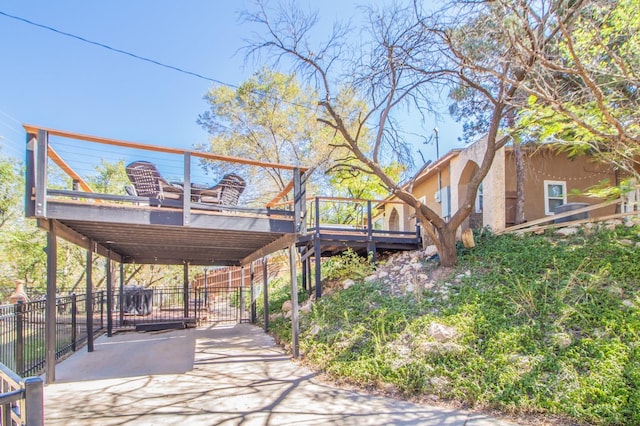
x=89 y=298
x=294 y=302
x=253 y=296
x=50 y=329
x=109 y=273
x=265 y=291
x=185 y=289
x=121 y=298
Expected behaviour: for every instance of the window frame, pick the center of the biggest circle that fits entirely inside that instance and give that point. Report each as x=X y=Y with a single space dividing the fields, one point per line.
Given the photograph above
x=547 y=183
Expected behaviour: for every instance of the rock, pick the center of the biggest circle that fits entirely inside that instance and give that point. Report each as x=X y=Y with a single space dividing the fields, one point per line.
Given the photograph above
x=638 y=244
x=306 y=307
x=314 y=330
x=441 y=332
x=627 y=243
x=430 y=251
x=563 y=340
x=383 y=274
x=370 y=278
x=287 y=306
x=610 y=227
x=564 y=232
x=347 y=283
x=628 y=303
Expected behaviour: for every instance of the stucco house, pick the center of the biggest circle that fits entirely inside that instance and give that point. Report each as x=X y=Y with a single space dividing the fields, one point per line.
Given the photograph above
x=551 y=178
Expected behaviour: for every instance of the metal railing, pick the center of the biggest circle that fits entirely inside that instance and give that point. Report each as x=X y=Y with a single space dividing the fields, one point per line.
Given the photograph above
x=22 y=331
x=22 y=326
x=21 y=400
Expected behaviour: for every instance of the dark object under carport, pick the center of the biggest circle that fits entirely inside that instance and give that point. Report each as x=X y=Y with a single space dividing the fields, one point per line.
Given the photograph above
x=137 y=300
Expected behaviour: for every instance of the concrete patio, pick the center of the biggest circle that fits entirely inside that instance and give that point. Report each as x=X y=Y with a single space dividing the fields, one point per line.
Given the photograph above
x=232 y=375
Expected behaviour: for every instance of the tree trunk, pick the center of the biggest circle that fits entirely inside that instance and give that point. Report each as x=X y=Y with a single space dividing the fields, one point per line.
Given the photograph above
x=447 y=251
x=519 y=157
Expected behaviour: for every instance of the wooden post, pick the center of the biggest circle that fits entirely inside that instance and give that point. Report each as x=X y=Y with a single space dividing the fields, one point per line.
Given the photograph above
x=50 y=328
x=41 y=174
x=253 y=295
x=242 y=304
x=121 y=298
x=109 y=296
x=294 y=302
x=265 y=291
x=317 y=254
x=30 y=176
x=89 y=299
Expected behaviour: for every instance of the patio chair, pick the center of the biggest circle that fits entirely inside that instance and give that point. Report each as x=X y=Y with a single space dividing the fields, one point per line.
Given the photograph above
x=226 y=192
x=148 y=182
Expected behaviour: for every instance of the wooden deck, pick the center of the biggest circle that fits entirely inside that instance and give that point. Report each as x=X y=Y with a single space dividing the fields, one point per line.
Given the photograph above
x=144 y=230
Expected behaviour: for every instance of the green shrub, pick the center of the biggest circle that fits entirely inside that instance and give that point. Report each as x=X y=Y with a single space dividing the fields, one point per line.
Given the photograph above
x=542 y=325
x=347 y=265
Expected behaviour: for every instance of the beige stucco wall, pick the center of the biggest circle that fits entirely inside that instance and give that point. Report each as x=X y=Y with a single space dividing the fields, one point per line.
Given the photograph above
x=493 y=184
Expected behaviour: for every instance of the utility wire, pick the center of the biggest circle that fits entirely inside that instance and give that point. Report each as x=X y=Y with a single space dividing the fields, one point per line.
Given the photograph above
x=142 y=58
x=124 y=52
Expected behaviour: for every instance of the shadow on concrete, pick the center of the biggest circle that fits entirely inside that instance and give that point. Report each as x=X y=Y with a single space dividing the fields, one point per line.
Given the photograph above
x=230 y=376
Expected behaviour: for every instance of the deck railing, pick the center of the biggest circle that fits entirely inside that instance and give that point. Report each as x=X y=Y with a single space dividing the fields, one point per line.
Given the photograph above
x=21 y=400
x=65 y=172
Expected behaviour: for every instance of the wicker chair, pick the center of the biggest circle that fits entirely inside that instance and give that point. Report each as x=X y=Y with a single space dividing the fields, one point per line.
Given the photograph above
x=148 y=182
x=226 y=192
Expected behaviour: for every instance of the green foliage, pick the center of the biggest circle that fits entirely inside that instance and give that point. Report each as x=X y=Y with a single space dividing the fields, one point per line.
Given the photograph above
x=542 y=325
x=348 y=265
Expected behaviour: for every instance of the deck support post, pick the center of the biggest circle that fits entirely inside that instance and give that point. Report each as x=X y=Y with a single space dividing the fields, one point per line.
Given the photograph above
x=121 y=298
x=50 y=328
x=242 y=306
x=253 y=295
x=294 y=302
x=371 y=244
x=109 y=275
x=305 y=277
x=185 y=289
x=265 y=293
x=317 y=253
x=89 y=297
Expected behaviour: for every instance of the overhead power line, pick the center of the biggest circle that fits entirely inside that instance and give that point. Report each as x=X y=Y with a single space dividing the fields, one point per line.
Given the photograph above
x=114 y=49
x=143 y=58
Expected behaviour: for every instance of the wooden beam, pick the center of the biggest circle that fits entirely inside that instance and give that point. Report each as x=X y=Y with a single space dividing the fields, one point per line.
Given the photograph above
x=281 y=195
x=68 y=170
x=578 y=222
x=80 y=240
x=115 y=142
x=560 y=216
x=279 y=244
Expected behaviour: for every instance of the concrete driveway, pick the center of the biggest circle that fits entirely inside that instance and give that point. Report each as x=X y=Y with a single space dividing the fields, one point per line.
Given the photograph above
x=232 y=375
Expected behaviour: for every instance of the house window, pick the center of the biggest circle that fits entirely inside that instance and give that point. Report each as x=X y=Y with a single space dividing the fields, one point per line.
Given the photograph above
x=479 y=199
x=555 y=195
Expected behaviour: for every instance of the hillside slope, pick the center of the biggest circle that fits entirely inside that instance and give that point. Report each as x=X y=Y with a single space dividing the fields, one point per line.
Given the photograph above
x=525 y=324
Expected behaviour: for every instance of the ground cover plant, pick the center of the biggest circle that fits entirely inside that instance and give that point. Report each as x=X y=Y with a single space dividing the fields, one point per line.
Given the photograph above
x=524 y=324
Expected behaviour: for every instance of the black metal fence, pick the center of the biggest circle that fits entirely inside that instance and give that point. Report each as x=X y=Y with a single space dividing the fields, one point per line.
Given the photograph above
x=22 y=330
x=22 y=326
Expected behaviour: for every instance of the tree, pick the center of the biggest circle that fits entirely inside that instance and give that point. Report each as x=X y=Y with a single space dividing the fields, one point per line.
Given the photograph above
x=408 y=56
x=270 y=118
x=585 y=94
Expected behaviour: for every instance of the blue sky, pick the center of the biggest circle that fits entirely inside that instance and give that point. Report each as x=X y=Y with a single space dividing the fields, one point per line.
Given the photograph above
x=55 y=81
